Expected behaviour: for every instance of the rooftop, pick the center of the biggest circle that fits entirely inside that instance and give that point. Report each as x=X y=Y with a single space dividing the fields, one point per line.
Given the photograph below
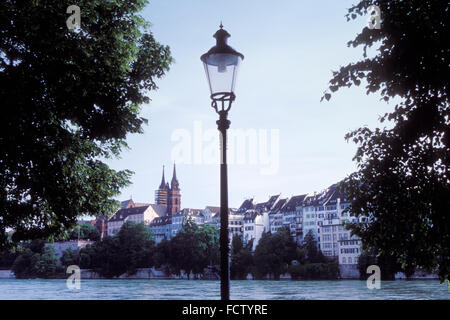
x=125 y=212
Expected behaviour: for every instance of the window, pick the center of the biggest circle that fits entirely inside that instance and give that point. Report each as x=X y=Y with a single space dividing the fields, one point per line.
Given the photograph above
x=343 y=260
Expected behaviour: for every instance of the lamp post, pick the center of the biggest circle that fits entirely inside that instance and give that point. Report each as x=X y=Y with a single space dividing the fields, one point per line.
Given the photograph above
x=221 y=64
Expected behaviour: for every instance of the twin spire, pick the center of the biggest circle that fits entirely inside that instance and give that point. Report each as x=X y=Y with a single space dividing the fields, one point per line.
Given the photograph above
x=174 y=183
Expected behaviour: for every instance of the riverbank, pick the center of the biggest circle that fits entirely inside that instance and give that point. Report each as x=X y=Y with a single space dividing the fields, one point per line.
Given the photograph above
x=156 y=274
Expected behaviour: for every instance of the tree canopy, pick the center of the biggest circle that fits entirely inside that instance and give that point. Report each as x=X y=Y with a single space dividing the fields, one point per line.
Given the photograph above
x=273 y=253
x=84 y=231
x=241 y=259
x=35 y=261
x=69 y=98
x=402 y=183
x=132 y=248
x=193 y=248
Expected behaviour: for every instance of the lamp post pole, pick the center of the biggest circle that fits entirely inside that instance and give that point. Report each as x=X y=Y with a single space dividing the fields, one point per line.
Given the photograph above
x=221 y=63
x=223 y=124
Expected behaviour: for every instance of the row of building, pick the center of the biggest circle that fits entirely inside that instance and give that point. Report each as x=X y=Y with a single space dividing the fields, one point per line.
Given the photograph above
x=321 y=213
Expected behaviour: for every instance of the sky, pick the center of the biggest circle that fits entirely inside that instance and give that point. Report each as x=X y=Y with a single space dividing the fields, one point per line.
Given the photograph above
x=296 y=143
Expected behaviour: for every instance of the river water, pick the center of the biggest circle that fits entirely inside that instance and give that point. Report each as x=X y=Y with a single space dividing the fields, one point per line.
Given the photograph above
x=203 y=290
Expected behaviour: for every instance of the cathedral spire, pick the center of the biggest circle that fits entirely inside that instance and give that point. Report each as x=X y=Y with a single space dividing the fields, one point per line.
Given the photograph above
x=163 y=181
x=174 y=182
x=161 y=195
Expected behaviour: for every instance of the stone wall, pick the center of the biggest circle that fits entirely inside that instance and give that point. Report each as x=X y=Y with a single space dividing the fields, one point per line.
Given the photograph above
x=6 y=274
x=62 y=246
x=151 y=273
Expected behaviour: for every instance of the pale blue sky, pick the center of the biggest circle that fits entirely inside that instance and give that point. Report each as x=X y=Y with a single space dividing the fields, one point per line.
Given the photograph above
x=290 y=49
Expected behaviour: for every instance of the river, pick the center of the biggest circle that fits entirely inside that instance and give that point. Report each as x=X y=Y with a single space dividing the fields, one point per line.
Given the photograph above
x=36 y=289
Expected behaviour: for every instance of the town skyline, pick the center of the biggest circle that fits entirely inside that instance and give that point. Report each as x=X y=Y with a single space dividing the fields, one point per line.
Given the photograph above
x=182 y=207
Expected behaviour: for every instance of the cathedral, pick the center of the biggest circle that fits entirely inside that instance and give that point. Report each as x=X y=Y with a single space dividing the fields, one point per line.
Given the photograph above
x=169 y=195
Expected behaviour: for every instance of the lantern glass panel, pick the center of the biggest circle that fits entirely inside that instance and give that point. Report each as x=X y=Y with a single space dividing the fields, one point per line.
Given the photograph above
x=221 y=71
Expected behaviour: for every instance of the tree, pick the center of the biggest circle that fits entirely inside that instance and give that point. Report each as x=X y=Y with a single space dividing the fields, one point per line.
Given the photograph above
x=402 y=183
x=365 y=260
x=273 y=253
x=36 y=260
x=193 y=248
x=69 y=98
x=321 y=258
x=388 y=265
x=301 y=254
x=315 y=271
x=136 y=245
x=284 y=240
x=241 y=259
x=69 y=257
x=22 y=266
x=85 y=232
x=105 y=257
x=310 y=245
x=132 y=248
x=46 y=264
x=209 y=237
x=7 y=258
x=162 y=253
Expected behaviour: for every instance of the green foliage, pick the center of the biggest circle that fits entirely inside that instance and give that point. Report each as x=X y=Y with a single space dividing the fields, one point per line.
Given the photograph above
x=314 y=271
x=85 y=232
x=310 y=246
x=136 y=245
x=162 y=253
x=7 y=259
x=388 y=265
x=69 y=257
x=241 y=259
x=69 y=99
x=301 y=255
x=402 y=183
x=312 y=264
x=46 y=264
x=132 y=248
x=23 y=265
x=273 y=253
x=209 y=237
x=193 y=248
x=35 y=261
x=106 y=258
x=36 y=246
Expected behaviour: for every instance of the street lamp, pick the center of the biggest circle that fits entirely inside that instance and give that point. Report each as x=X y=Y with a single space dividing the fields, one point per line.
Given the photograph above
x=221 y=64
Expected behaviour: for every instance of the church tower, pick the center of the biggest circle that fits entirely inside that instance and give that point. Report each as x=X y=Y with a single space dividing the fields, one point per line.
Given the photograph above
x=174 y=196
x=162 y=194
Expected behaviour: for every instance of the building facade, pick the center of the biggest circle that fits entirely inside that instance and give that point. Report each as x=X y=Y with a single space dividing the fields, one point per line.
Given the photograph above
x=143 y=214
